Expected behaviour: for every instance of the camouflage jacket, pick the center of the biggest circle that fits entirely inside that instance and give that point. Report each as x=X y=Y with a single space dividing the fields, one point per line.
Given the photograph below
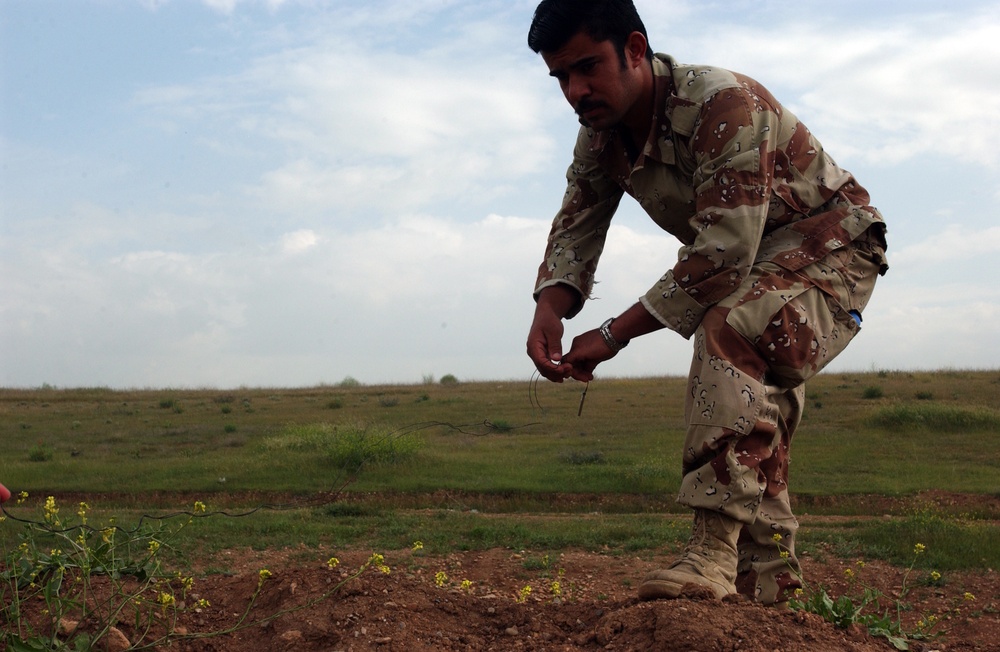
x=728 y=171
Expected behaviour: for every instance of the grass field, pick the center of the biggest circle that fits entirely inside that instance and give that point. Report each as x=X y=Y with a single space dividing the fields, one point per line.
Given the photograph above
x=508 y=464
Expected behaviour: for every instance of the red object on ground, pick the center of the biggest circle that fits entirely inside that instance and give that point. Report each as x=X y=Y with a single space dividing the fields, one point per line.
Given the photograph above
x=4 y=493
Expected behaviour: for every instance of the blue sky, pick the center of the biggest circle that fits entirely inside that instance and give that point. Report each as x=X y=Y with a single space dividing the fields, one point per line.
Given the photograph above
x=283 y=193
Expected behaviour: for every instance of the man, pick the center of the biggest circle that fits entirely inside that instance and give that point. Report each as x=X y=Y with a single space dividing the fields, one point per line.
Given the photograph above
x=780 y=254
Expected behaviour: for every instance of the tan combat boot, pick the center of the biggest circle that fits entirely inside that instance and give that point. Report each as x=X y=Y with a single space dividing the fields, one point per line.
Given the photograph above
x=709 y=560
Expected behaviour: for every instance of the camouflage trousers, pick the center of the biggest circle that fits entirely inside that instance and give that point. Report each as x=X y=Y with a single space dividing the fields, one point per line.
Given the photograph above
x=752 y=355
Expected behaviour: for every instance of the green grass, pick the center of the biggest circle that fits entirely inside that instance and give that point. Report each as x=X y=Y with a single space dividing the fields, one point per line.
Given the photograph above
x=952 y=544
x=475 y=465
x=485 y=437
x=936 y=417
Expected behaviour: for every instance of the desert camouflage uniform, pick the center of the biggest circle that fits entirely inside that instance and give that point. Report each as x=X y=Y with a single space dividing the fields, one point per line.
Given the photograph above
x=780 y=254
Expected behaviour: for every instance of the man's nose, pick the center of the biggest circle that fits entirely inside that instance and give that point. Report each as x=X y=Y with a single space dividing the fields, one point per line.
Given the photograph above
x=576 y=89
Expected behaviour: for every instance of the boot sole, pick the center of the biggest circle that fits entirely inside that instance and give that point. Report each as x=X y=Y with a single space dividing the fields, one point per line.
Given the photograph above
x=659 y=590
x=659 y=587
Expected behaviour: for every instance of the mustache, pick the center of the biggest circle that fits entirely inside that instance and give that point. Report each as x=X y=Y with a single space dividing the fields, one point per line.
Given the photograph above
x=586 y=105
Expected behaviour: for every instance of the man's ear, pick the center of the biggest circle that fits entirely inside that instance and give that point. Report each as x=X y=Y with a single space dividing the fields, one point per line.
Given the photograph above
x=635 y=49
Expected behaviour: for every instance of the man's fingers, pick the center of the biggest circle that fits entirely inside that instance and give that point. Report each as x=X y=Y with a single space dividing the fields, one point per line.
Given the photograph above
x=549 y=366
x=554 y=372
x=583 y=373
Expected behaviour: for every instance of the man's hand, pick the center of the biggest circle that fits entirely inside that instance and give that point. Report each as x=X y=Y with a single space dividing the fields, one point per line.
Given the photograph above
x=588 y=351
x=545 y=336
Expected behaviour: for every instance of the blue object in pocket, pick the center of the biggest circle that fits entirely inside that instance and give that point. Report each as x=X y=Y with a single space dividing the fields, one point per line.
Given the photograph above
x=856 y=316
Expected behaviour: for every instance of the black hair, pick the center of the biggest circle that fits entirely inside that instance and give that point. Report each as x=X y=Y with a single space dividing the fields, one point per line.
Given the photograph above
x=557 y=21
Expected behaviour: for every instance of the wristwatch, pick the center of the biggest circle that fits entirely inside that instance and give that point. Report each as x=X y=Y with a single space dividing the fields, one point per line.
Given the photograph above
x=609 y=339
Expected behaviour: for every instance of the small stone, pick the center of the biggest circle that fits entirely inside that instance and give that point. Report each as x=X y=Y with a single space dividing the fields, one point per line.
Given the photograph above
x=116 y=641
x=511 y=631
x=67 y=626
x=291 y=636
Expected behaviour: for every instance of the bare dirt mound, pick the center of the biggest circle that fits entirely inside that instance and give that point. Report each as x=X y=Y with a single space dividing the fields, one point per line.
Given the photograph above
x=407 y=610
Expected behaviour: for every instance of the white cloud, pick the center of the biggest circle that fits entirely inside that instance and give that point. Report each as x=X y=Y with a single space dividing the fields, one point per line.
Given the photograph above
x=344 y=304
x=956 y=243
x=313 y=206
x=224 y=6
x=298 y=241
x=885 y=89
x=951 y=326
x=337 y=129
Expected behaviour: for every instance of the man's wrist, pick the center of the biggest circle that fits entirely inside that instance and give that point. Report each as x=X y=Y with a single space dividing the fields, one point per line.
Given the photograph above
x=609 y=339
x=561 y=299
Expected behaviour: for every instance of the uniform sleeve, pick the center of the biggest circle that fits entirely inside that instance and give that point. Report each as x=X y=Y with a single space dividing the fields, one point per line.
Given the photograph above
x=579 y=229
x=733 y=142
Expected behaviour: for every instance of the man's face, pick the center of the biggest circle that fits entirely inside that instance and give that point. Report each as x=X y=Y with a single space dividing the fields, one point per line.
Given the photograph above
x=593 y=80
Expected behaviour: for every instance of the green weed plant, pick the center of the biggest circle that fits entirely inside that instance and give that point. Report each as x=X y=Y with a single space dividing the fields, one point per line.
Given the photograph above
x=871 y=608
x=935 y=416
x=93 y=581
x=346 y=448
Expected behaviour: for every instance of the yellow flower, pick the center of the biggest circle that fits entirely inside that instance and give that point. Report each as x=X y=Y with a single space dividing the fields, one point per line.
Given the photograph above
x=440 y=578
x=202 y=603
x=51 y=511
x=378 y=561
x=332 y=562
x=799 y=593
x=776 y=538
x=860 y=563
x=524 y=593
x=935 y=576
x=187 y=583
x=154 y=546
x=263 y=575
x=21 y=497
x=784 y=554
x=466 y=585
x=556 y=588
x=199 y=507
x=165 y=599
x=848 y=573
x=418 y=545
x=968 y=597
x=919 y=549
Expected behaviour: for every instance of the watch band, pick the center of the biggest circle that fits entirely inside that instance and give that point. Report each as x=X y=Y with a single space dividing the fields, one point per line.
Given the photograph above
x=609 y=339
